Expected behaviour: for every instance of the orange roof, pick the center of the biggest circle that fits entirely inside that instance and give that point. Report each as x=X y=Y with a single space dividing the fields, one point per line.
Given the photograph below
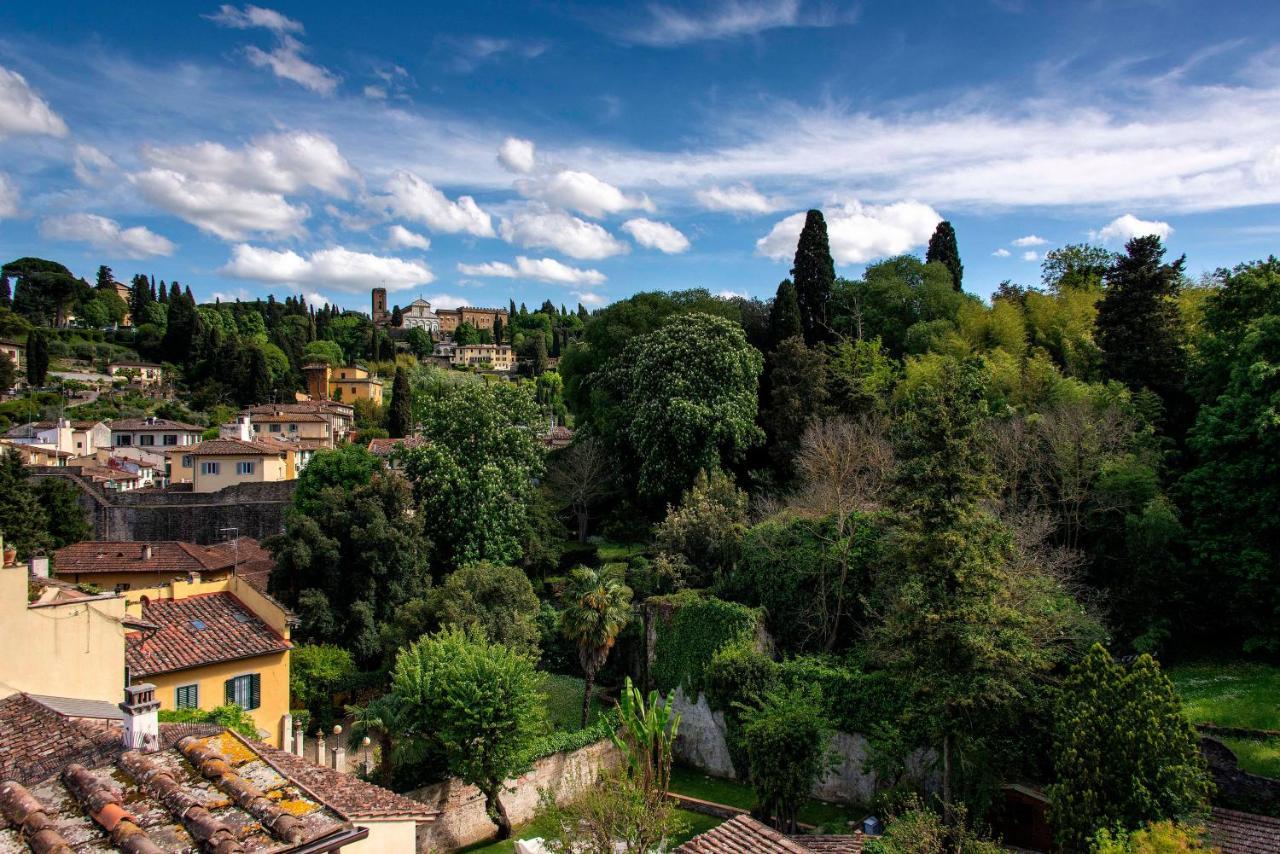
x=166 y=556
x=233 y=448
x=204 y=629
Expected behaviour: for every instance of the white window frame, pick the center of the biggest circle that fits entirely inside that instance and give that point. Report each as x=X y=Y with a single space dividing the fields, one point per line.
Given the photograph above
x=209 y=467
x=246 y=467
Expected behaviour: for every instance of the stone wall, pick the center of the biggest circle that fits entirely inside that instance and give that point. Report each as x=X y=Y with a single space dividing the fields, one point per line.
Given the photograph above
x=177 y=513
x=701 y=743
x=1235 y=788
x=463 y=820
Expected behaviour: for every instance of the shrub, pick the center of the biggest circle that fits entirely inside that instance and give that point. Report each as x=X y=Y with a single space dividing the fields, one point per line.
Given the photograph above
x=1161 y=837
x=229 y=716
x=785 y=740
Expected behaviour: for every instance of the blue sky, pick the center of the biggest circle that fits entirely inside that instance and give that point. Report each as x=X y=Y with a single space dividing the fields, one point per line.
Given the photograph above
x=475 y=152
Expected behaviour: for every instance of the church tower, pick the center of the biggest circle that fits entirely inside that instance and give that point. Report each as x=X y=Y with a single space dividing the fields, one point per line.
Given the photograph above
x=381 y=317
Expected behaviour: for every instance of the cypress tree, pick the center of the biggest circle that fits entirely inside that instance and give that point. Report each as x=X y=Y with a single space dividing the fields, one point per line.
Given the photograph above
x=814 y=274
x=6 y=295
x=8 y=373
x=37 y=358
x=106 y=279
x=140 y=297
x=943 y=249
x=397 y=316
x=497 y=330
x=257 y=385
x=400 y=413
x=784 y=314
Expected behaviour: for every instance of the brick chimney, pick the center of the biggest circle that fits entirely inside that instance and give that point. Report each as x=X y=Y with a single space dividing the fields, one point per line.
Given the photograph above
x=146 y=551
x=141 y=718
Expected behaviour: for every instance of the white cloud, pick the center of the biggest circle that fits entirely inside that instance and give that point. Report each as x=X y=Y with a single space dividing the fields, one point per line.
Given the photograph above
x=669 y=27
x=583 y=192
x=8 y=197
x=1001 y=253
x=656 y=235
x=400 y=237
x=106 y=235
x=740 y=198
x=254 y=16
x=336 y=267
x=537 y=227
x=285 y=60
x=92 y=166
x=276 y=163
x=1127 y=227
x=377 y=93
x=858 y=232
x=470 y=53
x=446 y=301
x=542 y=269
x=1030 y=240
x=22 y=111
x=516 y=155
x=728 y=294
x=589 y=298
x=1030 y=255
x=413 y=198
x=231 y=213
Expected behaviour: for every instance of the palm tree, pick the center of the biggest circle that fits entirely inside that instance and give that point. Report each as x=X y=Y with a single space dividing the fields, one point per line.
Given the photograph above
x=597 y=607
x=384 y=720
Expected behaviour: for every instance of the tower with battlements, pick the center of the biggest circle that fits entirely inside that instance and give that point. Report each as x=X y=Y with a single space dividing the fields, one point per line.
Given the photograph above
x=381 y=317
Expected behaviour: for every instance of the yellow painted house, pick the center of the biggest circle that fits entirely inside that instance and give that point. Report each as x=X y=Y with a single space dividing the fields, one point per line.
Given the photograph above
x=210 y=643
x=215 y=464
x=346 y=384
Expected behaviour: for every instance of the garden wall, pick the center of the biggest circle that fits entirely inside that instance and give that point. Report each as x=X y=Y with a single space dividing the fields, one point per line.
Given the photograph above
x=463 y=820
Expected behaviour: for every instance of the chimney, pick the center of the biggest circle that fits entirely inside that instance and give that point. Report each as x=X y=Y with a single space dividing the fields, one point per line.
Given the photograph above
x=39 y=566
x=141 y=718
x=146 y=551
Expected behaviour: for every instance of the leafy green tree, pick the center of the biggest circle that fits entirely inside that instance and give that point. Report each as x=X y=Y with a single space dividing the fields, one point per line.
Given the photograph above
x=344 y=467
x=420 y=343
x=785 y=736
x=8 y=374
x=474 y=481
x=1139 y=327
x=943 y=250
x=68 y=523
x=1077 y=266
x=257 y=377
x=533 y=355
x=814 y=274
x=323 y=351
x=688 y=390
x=6 y=294
x=497 y=601
x=581 y=477
x=465 y=334
x=400 y=413
x=37 y=358
x=385 y=720
x=706 y=529
x=183 y=326
x=22 y=516
x=316 y=673
x=784 y=314
x=597 y=607
x=1124 y=754
x=797 y=394
x=352 y=333
x=477 y=702
x=140 y=296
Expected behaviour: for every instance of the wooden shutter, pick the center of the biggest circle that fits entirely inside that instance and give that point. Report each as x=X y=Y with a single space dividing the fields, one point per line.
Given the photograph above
x=255 y=691
x=230 y=686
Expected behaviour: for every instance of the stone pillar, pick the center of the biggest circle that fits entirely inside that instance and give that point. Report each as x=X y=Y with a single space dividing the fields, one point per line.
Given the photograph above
x=338 y=759
x=321 y=756
x=299 y=741
x=286 y=733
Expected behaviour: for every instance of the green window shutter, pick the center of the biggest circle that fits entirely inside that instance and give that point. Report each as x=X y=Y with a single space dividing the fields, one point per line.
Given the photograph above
x=230 y=686
x=255 y=691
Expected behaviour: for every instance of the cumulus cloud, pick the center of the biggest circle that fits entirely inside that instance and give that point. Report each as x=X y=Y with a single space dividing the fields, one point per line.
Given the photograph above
x=1030 y=240
x=231 y=213
x=858 y=233
x=539 y=227
x=656 y=235
x=670 y=27
x=1030 y=255
x=92 y=166
x=402 y=238
x=277 y=163
x=541 y=269
x=582 y=192
x=1127 y=227
x=8 y=197
x=336 y=267
x=1001 y=253
x=516 y=155
x=589 y=298
x=254 y=16
x=728 y=294
x=107 y=235
x=413 y=198
x=22 y=111
x=739 y=198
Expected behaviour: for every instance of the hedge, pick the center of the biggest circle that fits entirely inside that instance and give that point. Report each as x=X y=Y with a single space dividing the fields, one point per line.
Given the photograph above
x=690 y=628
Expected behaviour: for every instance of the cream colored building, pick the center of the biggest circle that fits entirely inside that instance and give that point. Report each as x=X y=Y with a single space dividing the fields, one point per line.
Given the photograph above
x=345 y=383
x=143 y=373
x=214 y=465
x=153 y=434
x=498 y=357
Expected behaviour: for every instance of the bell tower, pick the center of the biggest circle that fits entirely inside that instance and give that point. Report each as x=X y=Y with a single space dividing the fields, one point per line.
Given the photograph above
x=380 y=315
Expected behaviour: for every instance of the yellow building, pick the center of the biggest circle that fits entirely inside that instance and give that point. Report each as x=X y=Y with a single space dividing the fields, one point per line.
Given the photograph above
x=480 y=318
x=346 y=384
x=144 y=374
x=215 y=464
x=119 y=566
x=291 y=426
x=62 y=643
x=210 y=643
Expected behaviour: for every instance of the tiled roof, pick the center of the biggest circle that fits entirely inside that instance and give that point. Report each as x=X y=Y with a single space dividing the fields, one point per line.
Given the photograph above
x=127 y=363
x=346 y=793
x=383 y=447
x=107 y=473
x=742 y=834
x=299 y=417
x=230 y=632
x=1243 y=833
x=233 y=448
x=319 y=406
x=35 y=741
x=141 y=424
x=166 y=556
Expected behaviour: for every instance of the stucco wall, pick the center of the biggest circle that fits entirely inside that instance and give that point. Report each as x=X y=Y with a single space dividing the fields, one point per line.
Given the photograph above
x=274 y=685
x=463 y=820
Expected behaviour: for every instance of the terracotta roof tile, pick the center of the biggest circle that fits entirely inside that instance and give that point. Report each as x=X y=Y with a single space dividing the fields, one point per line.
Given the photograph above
x=299 y=417
x=383 y=447
x=142 y=424
x=742 y=834
x=230 y=632
x=36 y=741
x=231 y=448
x=1243 y=833
x=167 y=556
x=346 y=793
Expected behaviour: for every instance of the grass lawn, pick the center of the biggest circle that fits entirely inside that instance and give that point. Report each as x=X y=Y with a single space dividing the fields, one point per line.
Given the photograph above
x=1239 y=695
x=831 y=818
x=1257 y=757
x=611 y=552
x=697 y=823
x=564 y=702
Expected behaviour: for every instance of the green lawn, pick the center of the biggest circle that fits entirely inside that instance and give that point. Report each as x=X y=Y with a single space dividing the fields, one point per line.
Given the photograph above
x=1238 y=695
x=564 y=702
x=611 y=552
x=697 y=823
x=832 y=818
x=1257 y=757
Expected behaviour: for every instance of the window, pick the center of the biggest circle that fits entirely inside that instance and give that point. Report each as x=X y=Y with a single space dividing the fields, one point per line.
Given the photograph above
x=274 y=428
x=146 y=439
x=245 y=691
x=245 y=468
x=208 y=468
x=186 y=461
x=171 y=439
x=123 y=440
x=187 y=697
x=122 y=586
x=293 y=428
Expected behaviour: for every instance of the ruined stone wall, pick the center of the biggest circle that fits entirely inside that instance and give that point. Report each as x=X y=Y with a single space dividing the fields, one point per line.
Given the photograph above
x=255 y=509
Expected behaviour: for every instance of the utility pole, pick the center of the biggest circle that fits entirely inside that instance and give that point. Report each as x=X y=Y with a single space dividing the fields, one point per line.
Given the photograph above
x=235 y=545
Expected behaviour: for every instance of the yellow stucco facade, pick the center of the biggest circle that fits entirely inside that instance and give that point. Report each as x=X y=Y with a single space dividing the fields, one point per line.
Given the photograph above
x=65 y=648
x=230 y=469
